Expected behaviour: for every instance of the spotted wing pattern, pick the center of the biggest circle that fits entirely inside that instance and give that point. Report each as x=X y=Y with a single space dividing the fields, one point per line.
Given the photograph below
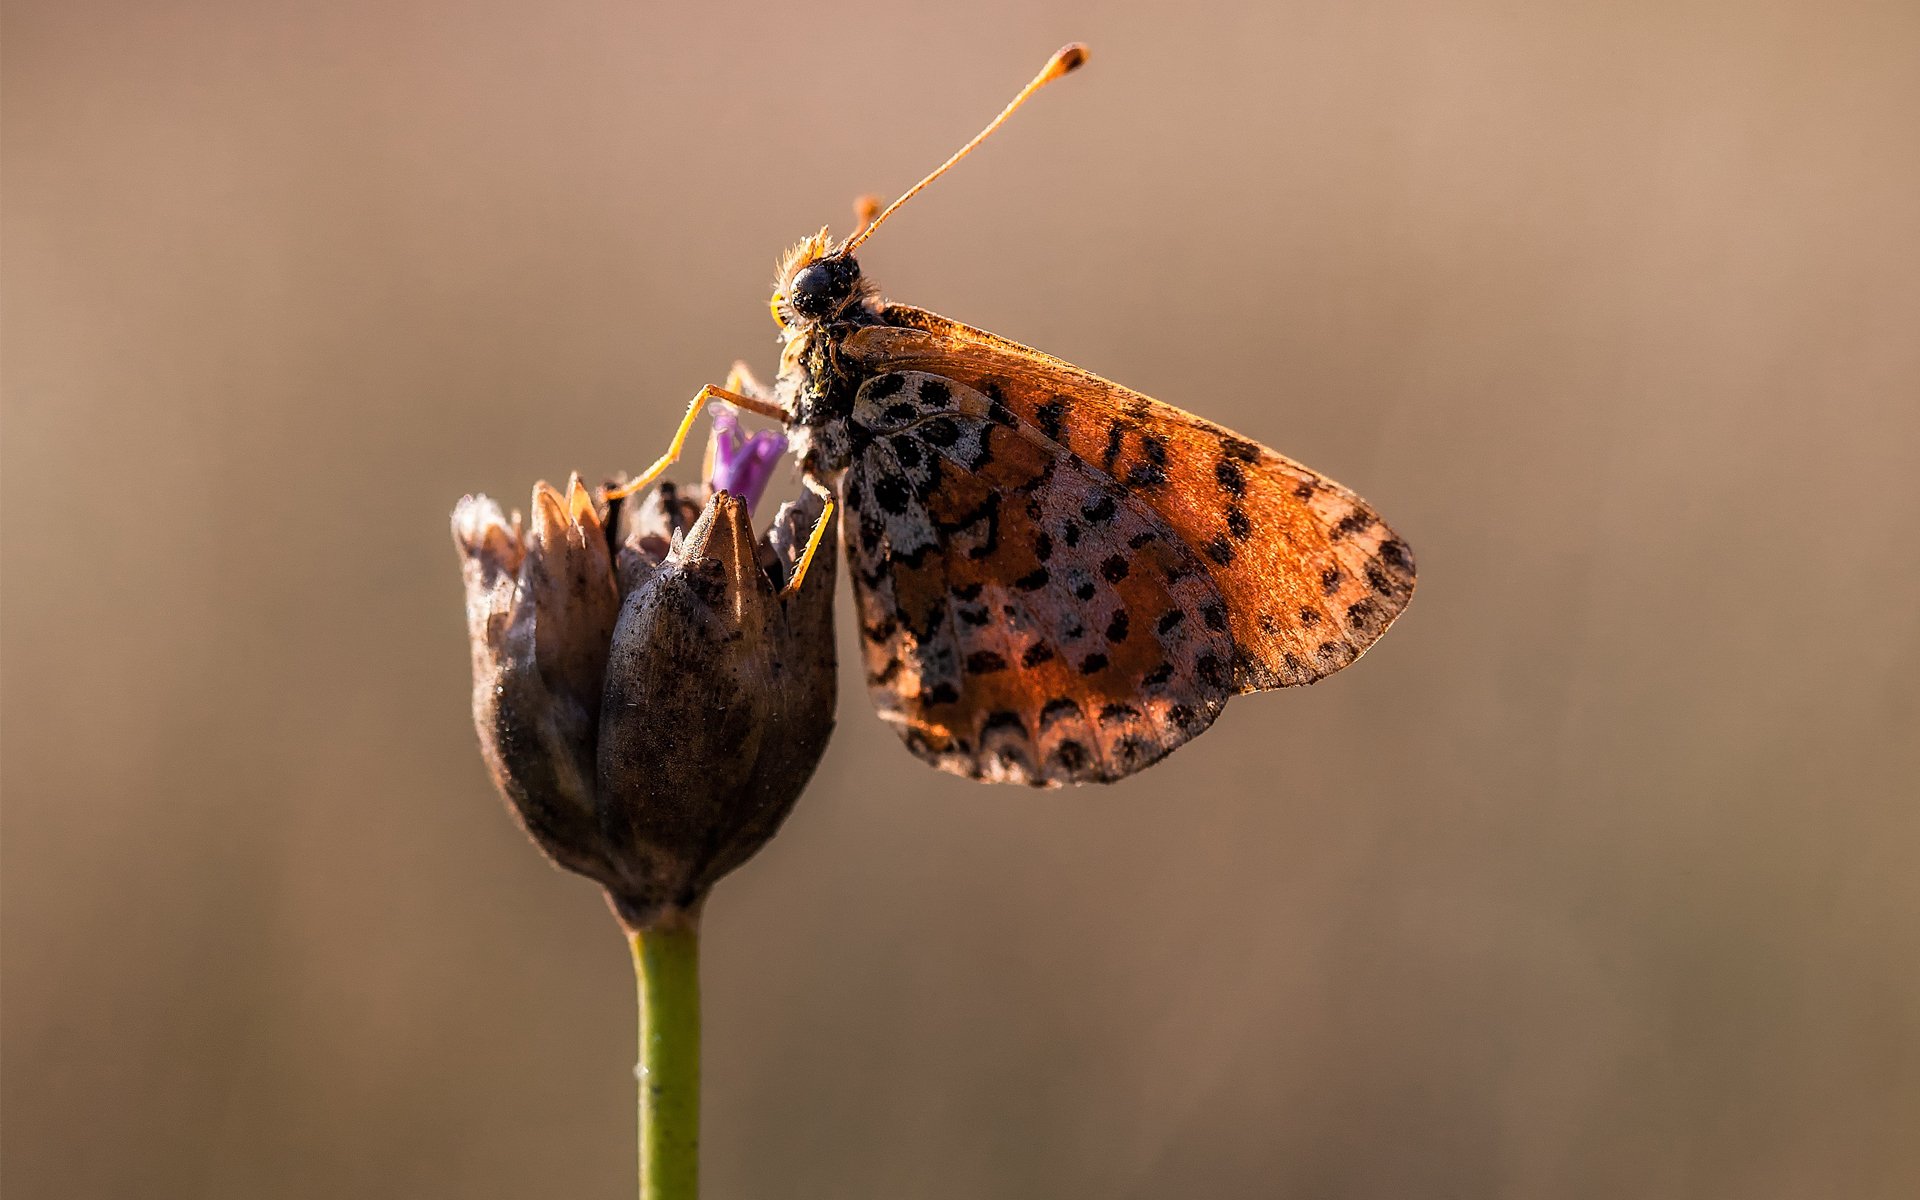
x=1024 y=618
x=1309 y=574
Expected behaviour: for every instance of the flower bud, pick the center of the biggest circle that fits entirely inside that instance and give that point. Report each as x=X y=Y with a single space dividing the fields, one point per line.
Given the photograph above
x=650 y=705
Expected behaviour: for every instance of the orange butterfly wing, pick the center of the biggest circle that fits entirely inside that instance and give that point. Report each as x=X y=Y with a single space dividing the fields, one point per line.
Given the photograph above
x=1022 y=620
x=1310 y=574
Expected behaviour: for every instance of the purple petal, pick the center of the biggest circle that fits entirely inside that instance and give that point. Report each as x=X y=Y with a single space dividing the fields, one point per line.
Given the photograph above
x=743 y=465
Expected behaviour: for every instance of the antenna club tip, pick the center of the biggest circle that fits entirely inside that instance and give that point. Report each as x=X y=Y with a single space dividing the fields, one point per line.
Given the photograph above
x=1070 y=57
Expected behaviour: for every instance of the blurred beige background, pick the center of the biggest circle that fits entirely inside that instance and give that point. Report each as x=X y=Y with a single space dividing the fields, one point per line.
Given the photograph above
x=1596 y=879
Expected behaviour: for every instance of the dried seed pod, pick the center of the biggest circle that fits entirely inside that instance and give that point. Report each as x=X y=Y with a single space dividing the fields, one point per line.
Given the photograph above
x=650 y=705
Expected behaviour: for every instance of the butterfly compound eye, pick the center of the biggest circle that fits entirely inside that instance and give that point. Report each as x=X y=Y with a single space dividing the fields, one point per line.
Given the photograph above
x=822 y=287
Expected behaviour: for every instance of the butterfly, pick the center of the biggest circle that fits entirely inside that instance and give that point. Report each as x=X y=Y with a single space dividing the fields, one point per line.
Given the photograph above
x=1059 y=580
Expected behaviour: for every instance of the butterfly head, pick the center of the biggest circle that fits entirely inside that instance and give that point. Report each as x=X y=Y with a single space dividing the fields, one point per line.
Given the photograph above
x=817 y=284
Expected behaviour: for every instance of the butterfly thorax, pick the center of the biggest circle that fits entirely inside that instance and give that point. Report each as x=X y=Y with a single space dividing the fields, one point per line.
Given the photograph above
x=820 y=300
x=816 y=387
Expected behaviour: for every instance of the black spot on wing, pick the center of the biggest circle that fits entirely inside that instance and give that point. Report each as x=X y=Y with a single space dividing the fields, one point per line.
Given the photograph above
x=1058 y=709
x=1050 y=416
x=1211 y=670
x=1395 y=554
x=1150 y=471
x=985 y=662
x=1350 y=524
x=1364 y=615
x=1071 y=757
x=1336 y=653
x=1005 y=719
x=983 y=451
x=941 y=431
x=1239 y=448
x=1214 y=613
x=892 y=493
x=907 y=450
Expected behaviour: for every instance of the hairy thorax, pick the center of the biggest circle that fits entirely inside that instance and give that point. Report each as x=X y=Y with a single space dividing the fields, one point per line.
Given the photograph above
x=816 y=385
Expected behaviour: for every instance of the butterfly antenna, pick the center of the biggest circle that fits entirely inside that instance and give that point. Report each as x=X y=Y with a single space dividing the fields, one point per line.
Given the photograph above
x=1068 y=58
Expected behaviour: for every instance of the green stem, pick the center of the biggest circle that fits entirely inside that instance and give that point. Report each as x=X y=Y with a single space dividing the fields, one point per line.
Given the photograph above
x=666 y=963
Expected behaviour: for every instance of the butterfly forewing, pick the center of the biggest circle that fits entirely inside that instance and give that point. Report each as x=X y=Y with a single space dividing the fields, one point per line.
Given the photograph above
x=1024 y=618
x=1308 y=574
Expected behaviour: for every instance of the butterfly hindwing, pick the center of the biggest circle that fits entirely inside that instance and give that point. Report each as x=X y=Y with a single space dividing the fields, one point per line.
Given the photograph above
x=1024 y=619
x=1308 y=573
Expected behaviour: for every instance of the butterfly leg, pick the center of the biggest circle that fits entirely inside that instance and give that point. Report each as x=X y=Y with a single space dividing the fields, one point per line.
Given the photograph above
x=762 y=408
x=742 y=380
x=813 y=539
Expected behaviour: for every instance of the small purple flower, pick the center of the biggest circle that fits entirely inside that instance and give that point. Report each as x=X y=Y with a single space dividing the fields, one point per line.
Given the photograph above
x=740 y=464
